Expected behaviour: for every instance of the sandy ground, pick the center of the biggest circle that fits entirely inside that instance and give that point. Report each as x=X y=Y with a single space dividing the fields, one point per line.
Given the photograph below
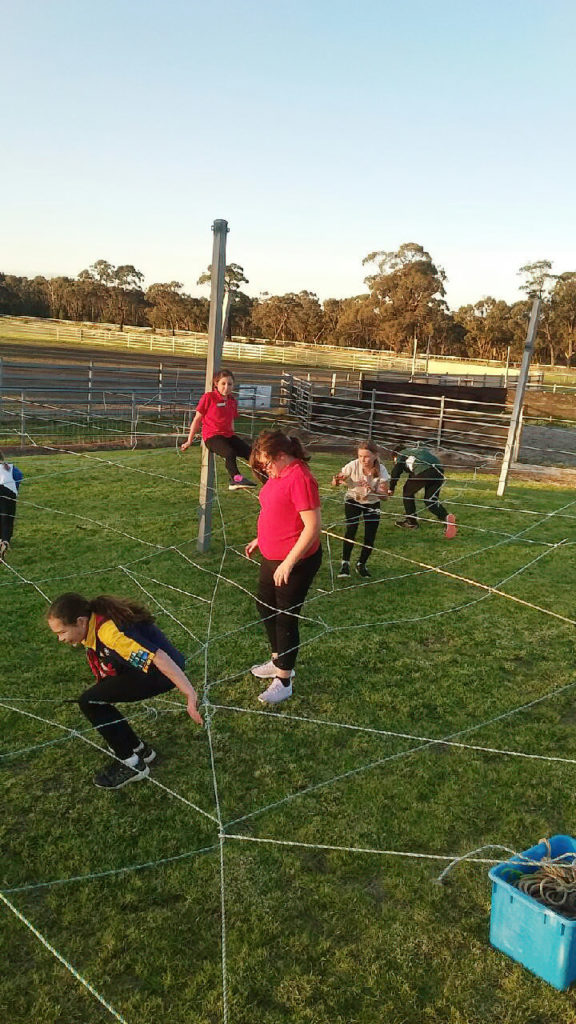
x=548 y=446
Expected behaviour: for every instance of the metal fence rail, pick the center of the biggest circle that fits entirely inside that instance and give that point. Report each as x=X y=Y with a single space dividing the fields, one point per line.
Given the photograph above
x=65 y=417
x=393 y=419
x=93 y=384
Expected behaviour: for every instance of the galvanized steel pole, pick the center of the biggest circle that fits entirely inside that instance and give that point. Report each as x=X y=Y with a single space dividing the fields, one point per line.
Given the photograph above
x=213 y=357
x=519 y=396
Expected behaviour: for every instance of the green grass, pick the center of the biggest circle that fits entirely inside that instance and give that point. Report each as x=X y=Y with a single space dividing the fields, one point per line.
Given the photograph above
x=313 y=935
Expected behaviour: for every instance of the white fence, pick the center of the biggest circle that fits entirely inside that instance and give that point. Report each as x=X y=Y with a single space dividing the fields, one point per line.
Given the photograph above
x=183 y=342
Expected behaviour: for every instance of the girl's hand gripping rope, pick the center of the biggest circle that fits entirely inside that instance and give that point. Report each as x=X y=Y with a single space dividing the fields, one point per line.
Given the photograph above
x=251 y=548
x=193 y=710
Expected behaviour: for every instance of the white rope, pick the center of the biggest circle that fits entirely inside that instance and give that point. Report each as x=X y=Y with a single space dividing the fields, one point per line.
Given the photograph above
x=428 y=740
x=404 y=854
x=211 y=709
x=62 y=959
x=74 y=732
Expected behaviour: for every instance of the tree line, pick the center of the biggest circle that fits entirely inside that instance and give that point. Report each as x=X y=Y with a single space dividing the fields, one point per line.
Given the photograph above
x=405 y=303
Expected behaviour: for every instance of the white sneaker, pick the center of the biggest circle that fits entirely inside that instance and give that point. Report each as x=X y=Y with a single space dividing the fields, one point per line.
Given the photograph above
x=276 y=692
x=267 y=670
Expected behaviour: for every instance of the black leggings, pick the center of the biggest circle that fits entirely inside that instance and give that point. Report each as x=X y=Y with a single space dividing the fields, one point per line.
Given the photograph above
x=128 y=686
x=354 y=511
x=282 y=625
x=230 y=448
x=431 y=481
x=7 y=513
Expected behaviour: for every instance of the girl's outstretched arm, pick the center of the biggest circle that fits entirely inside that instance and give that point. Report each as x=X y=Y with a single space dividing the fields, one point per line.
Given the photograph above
x=194 y=428
x=174 y=673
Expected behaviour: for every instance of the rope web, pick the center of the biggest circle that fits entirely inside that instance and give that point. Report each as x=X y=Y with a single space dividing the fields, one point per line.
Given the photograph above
x=141 y=578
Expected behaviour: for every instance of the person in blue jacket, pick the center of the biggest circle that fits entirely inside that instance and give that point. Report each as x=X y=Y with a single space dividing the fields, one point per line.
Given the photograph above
x=10 y=477
x=131 y=660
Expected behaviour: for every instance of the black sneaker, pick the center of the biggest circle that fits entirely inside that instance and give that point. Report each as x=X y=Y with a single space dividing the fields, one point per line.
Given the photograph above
x=362 y=570
x=407 y=524
x=344 y=571
x=145 y=751
x=118 y=774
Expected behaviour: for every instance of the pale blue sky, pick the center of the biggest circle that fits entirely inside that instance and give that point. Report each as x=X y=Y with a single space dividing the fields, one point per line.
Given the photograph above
x=321 y=130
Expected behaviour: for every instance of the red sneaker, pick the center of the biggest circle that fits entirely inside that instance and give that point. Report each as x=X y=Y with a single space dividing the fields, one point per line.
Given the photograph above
x=451 y=528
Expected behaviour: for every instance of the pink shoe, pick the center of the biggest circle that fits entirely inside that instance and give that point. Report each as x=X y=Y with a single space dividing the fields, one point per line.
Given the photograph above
x=451 y=528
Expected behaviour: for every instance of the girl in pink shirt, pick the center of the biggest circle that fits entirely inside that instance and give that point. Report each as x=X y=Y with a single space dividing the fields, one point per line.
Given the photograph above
x=215 y=415
x=288 y=538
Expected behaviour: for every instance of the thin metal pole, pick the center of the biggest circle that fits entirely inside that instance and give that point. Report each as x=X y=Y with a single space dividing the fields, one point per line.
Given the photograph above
x=160 y=383
x=371 y=421
x=414 y=357
x=310 y=405
x=519 y=396
x=133 y=421
x=22 y=420
x=507 y=367
x=213 y=357
x=440 y=421
x=90 y=386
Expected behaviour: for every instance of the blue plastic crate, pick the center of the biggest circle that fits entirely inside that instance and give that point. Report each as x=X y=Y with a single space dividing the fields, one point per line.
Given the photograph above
x=531 y=933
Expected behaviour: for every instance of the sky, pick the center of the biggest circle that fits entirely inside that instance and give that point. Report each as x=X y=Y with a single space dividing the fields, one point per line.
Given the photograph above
x=321 y=130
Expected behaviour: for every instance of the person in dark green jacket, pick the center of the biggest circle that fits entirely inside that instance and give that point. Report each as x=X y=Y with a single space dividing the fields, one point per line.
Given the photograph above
x=425 y=472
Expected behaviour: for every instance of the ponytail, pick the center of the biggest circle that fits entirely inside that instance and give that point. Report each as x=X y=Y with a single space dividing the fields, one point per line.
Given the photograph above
x=70 y=607
x=272 y=443
x=297 y=448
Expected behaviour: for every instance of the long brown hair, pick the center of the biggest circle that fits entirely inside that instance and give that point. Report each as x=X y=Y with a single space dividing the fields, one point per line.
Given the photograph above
x=370 y=446
x=272 y=443
x=69 y=607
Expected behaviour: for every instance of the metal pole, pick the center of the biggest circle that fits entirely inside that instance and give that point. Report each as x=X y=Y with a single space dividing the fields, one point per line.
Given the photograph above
x=160 y=382
x=333 y=385
x=310 y=406
x=90 y=385
x=427 y=354
x=22 y=420
x=507 y=367
x=414 y=358
x=518 y=439
x=519 y=396
x=371 y=420
x=133 y=421
x=213 y=356
x=440 y=421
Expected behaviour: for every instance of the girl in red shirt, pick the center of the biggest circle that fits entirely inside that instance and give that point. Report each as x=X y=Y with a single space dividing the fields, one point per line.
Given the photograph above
x=288 y=538
x=215 y=414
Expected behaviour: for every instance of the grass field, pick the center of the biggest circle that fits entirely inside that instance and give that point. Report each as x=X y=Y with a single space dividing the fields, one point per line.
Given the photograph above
x=312 y=935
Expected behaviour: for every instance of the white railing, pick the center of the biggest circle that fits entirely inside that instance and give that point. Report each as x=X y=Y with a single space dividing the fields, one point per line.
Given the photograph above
x=185 y=342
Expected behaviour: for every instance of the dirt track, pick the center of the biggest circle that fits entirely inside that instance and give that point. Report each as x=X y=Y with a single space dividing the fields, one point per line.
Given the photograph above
x=548 y=446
